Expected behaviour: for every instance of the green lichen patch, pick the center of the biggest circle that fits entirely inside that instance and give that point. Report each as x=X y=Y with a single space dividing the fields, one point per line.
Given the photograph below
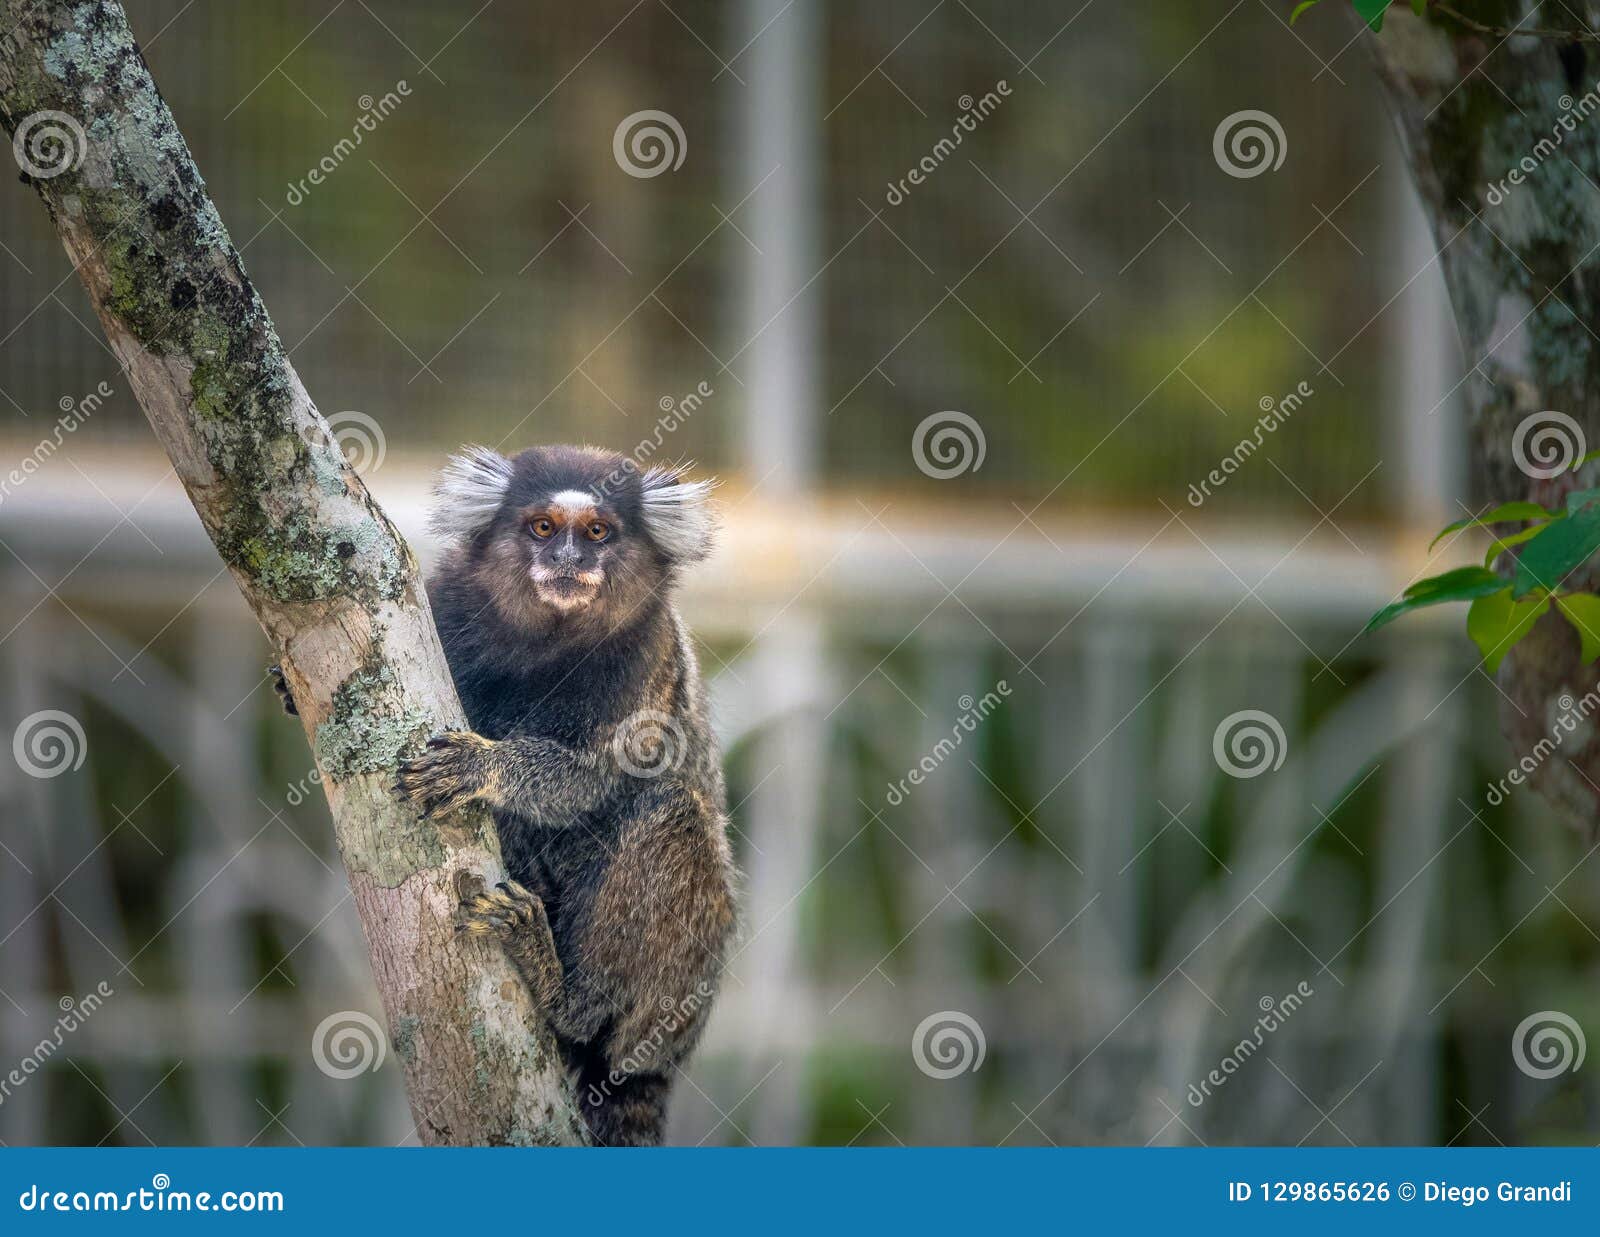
x=390 y=858
x=298 y=559
x=542 y=1135
x=364 y=734
x=405 y=1038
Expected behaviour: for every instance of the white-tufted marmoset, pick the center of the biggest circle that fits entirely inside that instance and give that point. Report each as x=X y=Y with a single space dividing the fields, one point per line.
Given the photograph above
x=591 y=744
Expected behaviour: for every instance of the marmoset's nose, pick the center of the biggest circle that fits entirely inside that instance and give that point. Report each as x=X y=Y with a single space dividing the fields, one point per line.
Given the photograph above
x=567 y=552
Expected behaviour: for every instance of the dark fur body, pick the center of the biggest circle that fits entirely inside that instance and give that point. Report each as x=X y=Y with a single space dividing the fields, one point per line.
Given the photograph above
x=620 y=847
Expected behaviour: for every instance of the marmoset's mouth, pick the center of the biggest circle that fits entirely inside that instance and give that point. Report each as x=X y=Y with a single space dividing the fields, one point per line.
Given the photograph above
x=566 y=591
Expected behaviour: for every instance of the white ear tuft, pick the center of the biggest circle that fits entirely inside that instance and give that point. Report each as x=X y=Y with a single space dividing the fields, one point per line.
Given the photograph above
x=469 y=491
x=678 y=514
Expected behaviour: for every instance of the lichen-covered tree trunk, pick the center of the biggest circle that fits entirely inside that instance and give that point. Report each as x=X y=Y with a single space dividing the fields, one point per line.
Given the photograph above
x=1503 y=140
x=333 y=583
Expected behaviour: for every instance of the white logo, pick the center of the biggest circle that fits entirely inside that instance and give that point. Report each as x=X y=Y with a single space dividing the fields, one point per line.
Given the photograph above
x=1249 y=143
x=1547 y=444
x=1548 y=1043
x=947 y=444
x=649 y=143
x=348 y=1043
x=948 y=1043
x=49 y=743
x=648 y=744
x=361 y=440
x=48 y=144
x=1249 y=743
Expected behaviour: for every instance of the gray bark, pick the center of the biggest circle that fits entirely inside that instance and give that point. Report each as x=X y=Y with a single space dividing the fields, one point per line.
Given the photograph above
x=335 y=587
x=1522 y=265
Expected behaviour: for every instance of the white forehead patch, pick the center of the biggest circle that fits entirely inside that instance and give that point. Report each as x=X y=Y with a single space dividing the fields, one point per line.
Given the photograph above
x=572 y=503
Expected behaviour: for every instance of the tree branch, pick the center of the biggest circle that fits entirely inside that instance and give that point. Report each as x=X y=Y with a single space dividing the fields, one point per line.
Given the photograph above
x=1506 y=170
x=1507 y=32
x=335 y=587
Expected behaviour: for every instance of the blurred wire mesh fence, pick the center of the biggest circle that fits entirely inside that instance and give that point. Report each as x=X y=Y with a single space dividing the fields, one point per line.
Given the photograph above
x=1071 y=888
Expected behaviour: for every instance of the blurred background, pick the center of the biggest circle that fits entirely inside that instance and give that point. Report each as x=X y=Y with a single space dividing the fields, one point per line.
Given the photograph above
x=980 y=628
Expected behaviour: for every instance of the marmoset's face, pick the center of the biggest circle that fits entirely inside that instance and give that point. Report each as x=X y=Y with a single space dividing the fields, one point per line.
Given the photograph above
x=570 y=538
x=573 y=540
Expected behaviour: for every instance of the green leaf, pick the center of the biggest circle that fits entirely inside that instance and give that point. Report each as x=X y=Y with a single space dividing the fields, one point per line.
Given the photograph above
x=1560 y=546
x=1583 y=612
x=1581 y=498
x=1462 y=584
x=1502 y=544
x=1301 y=8
x=1496 y=623
x=1419 y=7
x=1452 y=582
x=1372 y=11
x=1505 y=513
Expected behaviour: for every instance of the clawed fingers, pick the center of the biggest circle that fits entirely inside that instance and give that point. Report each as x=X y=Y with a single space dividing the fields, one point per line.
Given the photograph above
x=432 y=789
x=506 y=908
x=442 y=779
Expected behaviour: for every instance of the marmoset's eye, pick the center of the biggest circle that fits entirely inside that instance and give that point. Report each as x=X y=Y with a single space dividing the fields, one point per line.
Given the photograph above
x=599 y=530
x=541 y=527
